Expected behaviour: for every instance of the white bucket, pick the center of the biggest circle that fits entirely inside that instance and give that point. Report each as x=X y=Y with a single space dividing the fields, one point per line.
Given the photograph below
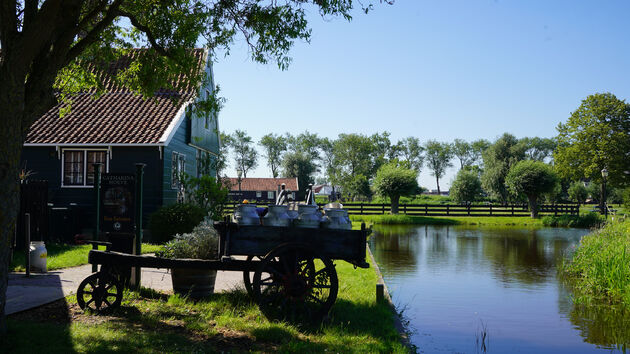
x=38 y=256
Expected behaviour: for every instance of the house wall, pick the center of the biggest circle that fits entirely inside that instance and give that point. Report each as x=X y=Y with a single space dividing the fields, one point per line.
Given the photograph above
x=178 y=144
x=202 y=137
x=46 y=165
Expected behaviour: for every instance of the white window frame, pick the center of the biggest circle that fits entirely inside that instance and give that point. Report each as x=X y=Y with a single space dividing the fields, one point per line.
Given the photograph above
x=85 y=162
x=271 y=195
x=258 y=194
x=175 y=183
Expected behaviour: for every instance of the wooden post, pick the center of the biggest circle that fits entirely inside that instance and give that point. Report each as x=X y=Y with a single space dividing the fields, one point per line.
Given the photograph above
x=380 y=293
x=137 y=273
x=97 y=199
x=447 y=211
x=383 y=206
x=405 y=209
x=361 y=208
x=426 y=209
x=490 y=209
x=27 y=239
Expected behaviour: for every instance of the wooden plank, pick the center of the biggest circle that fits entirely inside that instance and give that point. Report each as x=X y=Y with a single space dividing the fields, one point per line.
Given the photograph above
x=129 y=260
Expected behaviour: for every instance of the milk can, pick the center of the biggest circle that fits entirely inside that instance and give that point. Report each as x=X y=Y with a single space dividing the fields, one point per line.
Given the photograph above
x=38 y=256
x=245 y=214
x=277 y=216
x=336 y=219
x=308 y=216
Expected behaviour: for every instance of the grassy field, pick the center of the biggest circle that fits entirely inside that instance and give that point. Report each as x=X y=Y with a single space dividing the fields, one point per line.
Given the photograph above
x=64 y=256
x=599 y=267
x=149 y=322
x=451 y=220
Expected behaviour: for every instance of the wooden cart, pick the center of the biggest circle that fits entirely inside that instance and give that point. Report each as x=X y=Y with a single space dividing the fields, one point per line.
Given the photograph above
x=289 y=271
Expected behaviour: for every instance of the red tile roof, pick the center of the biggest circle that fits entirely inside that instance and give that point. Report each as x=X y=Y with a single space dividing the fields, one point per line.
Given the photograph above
x=118 y=116
x=263 y=184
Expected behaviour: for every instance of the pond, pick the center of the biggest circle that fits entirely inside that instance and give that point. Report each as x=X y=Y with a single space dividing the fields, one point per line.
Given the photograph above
x=478 y=289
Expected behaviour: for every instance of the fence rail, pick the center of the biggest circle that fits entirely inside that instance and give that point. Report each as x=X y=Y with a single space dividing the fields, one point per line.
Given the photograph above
x=453 y=209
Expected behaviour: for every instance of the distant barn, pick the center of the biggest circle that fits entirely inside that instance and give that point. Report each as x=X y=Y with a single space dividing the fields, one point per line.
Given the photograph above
x=262 y=190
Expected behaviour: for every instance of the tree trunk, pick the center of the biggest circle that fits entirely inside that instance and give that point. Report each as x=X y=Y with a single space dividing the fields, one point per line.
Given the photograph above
x=395 y=199
x=11 y=139
x=533 y=205
x=437 y=180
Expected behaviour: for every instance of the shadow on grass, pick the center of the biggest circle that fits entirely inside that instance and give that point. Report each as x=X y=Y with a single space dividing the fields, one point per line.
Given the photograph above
x=151 y=321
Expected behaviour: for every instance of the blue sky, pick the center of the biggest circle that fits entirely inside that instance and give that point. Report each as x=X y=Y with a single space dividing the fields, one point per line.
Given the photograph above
x=440 y=70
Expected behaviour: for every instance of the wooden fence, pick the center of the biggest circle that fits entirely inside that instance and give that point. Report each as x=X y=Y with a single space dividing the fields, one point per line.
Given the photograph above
x=453 y=209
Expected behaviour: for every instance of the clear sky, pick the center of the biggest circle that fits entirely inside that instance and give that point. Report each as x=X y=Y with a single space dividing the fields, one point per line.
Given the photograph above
x=438 y=70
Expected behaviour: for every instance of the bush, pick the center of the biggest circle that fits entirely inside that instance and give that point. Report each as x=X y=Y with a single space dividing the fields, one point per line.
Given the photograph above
x=201 y=243
x=174 y=219
x=585 y=221
x=466 y=187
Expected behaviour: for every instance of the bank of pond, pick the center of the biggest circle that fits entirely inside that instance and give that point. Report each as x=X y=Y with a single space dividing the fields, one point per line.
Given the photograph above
x=498 y=288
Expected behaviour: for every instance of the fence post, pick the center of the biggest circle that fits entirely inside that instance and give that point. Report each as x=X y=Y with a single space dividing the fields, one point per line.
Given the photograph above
x=361 y=208
x=383 y=206
x=555 y=210
x=426 y=209
x=405 y=209
x=447 y=211
x=490 y=209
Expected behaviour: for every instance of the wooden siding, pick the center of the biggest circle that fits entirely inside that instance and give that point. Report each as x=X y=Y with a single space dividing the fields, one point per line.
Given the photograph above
x=202 y=137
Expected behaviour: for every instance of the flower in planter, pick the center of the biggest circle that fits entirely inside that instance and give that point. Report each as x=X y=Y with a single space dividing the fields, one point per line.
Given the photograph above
x=201 y=243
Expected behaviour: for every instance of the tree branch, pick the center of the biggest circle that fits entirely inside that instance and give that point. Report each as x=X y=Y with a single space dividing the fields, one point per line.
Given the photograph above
x=134 y=21
x=8 y=22
x=30 y=10
x=94 y=34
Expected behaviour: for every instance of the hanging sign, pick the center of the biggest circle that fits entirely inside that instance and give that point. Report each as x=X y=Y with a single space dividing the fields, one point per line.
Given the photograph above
x=117 y=202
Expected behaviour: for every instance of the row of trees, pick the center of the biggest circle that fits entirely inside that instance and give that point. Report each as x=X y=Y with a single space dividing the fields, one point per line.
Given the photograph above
x=596 y=137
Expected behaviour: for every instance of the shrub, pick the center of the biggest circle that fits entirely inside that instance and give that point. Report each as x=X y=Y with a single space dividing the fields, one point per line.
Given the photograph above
x=585 y=221
x=201 y=243
x=174 y=219
x=466 y=187
x=206 y=192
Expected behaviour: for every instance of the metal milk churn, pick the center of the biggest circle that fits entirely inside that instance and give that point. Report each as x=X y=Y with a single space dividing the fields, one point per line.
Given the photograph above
x=245 y=214
x=277 y=216
x=336 y=219
x=308 y=216
x=38 y=256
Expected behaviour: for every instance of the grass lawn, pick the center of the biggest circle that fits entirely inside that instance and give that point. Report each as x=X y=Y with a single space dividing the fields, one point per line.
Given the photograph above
x=64 y=256
x=447 y=220
x=149 y=322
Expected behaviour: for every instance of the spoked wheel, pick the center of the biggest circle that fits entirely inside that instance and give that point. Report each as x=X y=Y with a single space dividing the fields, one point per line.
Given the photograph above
x=99 y=292
x=295 y=283
x=248 y=276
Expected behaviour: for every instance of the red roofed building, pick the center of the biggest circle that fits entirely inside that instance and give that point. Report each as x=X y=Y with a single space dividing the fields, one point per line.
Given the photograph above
x=263 y=190
x=120 y=128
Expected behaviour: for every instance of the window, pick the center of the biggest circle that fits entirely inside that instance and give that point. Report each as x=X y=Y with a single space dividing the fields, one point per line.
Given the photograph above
x=204 y=163
x=270 y=195
x=258 y=194
x=178 y=166
x=78 y=166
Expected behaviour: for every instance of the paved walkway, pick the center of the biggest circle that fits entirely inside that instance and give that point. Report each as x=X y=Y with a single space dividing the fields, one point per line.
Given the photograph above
x=41 y=288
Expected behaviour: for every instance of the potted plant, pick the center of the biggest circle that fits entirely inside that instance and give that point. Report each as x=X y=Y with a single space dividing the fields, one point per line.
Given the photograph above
x=201 y=243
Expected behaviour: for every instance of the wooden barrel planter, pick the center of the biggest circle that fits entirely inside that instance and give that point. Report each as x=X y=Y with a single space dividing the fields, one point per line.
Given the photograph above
x=194 y=283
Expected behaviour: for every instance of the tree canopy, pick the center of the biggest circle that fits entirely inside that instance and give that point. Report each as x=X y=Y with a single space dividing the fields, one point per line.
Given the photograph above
x=245 y=155
x=438 y=157
x=498 y=158
x=466 y=187
x=596 y=136
x=532 y=179
x=274 y=145
x=394 y=181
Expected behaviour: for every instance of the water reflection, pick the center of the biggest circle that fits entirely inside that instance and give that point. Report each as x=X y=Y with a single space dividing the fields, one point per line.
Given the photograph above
x=451 y=277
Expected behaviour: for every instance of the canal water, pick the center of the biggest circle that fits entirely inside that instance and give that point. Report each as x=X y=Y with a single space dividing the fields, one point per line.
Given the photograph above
x=495 y=290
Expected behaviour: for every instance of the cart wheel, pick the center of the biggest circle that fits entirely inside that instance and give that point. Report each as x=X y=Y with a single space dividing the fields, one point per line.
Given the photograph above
x=248 y=276
x=99 y=292
x=295 y=283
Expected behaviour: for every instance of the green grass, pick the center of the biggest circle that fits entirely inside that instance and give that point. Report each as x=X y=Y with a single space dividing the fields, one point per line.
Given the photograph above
x=401 y=219
x=229 y=322
x=599 y=267
x=64 y=256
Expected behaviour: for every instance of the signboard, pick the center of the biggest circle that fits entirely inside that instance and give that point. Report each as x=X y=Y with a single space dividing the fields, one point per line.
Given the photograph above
x=117 y=202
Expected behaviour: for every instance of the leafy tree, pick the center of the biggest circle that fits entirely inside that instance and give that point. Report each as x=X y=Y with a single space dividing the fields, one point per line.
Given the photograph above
x=538 y=149
x=206 y=192
x=464 y=152
x=394 y=181
x=354 y=154
x=329 y=161
x=274 y=146
x=578 y=192
x=438 y=156
x=478 y=147
x=224 y=152
x=245 y=155
x=498 y=158
x=532 y=179
x=466 y=188
x=596 y=136
x=299 y=164
x=410 y=150
x=382 y=150
x=48 y=47
x=305 y=142
x=357 y=187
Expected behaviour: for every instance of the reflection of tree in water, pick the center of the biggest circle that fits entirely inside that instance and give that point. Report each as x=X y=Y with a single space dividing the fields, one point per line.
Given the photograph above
x=521 y=255
x=395 y=247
